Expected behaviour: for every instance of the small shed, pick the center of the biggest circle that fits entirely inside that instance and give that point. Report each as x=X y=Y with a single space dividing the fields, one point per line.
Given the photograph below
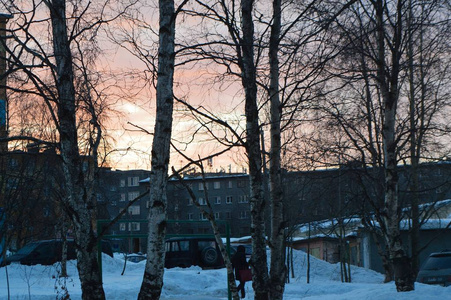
x=324 y=248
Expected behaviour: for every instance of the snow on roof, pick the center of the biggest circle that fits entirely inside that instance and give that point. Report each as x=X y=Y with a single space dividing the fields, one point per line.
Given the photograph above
x=328 y=228
x=437 y=205
x=428 y=225
x=208 y=176
x=215 y=176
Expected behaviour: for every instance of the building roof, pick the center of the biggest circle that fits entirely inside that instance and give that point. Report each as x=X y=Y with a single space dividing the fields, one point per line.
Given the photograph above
x=327 y=228
x=208 y=176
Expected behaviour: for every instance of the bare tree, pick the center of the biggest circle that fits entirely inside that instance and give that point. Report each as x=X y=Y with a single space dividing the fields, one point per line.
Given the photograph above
x=278 y=269
x=79 y=185
x=240 y=53
x=376 y=60
x=427 y=33
x=55 y=67
x=254 y=155
x=153 y=274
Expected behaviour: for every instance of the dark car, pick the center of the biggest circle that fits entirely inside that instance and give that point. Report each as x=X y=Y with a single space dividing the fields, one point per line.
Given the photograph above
x=193 y=251
x=436 y=269
x=48 y=252
x=135 y=257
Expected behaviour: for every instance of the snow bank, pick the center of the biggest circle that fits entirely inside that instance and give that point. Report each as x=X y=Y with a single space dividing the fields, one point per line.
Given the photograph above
x=43 y=283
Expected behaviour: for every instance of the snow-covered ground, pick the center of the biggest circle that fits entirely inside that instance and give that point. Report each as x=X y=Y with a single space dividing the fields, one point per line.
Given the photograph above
x=41 y=282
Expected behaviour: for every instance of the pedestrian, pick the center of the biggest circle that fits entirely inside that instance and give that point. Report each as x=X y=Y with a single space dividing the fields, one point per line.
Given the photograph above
x=239 y=262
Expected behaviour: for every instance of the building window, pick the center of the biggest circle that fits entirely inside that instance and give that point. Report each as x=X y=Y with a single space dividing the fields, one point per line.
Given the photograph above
x=243 y=214
x=201 y=186
x=134 y=226
x=113 y=188
x=228 y=215
x=133 y=181
x=122 y=183
x=122 y=226
x=230 y=185
x=99 y=197
x=242 y=199
x=147 y=204
x=203 y=217
x=217 y=216
x=229 y=200
x=132 y=195
x=134 y=210
x=114 y=203
x=122 y=197
x=202 y=201
x=241 y=183
x=217 y=200
x=217 y=185
x=13 y=163
x=190 y=201
x=190 y=216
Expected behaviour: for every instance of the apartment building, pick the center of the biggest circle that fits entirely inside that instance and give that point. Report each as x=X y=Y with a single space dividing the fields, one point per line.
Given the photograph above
x=228 y=195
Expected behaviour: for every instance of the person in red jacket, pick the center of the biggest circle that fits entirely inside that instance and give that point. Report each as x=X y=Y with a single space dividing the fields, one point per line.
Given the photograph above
x=239 y=263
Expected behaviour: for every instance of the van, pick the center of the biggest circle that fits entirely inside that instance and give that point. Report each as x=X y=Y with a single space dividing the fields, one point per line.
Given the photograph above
x=193 y=251
x=48 y=252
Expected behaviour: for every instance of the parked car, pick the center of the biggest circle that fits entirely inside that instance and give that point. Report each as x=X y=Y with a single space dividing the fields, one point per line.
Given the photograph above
x=436 y=269
x=48 y=252
x=136 y=257
x=193 y=251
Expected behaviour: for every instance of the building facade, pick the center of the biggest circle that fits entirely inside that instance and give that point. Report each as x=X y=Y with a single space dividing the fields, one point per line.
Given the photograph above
x=228 y=195
x=32 y=181
x=309 y=196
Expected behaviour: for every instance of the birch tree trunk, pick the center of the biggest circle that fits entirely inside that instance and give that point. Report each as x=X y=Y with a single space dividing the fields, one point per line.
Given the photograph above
x=278 y=270
x=64 y=250
x=79 y=200
x=259 y=264
x=414 y=147
x=153 y=275
x=388 y=82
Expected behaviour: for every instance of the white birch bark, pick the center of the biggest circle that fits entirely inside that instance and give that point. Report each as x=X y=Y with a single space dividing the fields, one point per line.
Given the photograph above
x=277 y=270
x=259 y=265
x=388 y=83
x=79 y=201
x=153 y=275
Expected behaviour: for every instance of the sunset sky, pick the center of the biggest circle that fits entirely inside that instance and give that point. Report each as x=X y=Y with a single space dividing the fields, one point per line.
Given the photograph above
x=190 y=85
x=131 y=93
